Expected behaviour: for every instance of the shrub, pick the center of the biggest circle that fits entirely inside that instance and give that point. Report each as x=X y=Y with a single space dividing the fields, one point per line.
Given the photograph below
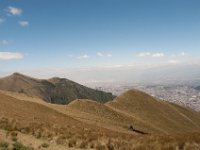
x=19 y=146
x=72 y=143
x=14 y=139
x=45 y=145
x=83 y=144
x=110 y=145
x=14 y=136
x=61 y=140
x=4 y=145
x=99 y=146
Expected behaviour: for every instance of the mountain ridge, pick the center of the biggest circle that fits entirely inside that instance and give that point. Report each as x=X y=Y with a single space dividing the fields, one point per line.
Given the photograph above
x=161 y=114
x=54 y=90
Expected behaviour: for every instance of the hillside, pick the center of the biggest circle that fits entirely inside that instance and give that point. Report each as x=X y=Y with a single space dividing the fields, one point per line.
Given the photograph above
x=28 y=112
x=133 y=108
x=86 y=124
x=27 y=120
x=101 y=115
x=55 y=90
x=167 y=117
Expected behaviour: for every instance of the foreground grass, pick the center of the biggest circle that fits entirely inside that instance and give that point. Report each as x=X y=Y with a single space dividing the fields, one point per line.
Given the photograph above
x=20 y=146
x=87 y=139
x=4 y=145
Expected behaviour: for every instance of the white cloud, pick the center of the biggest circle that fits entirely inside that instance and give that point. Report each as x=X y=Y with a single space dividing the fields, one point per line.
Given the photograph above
x=85 y=56
x=104 y=55
x=13 y=11
x=10 y=55
x=4 y=42
x=158 y=55
x=144 y=54
x=148 y=54
x=174 y=61
x=24 y=23
x=109 y=55
x=100 y=54
x=183 y=54
x=1 y=20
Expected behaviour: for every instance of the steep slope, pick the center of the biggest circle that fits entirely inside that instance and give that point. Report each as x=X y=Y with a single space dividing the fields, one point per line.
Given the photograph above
x=169 y=118
x=55 y=90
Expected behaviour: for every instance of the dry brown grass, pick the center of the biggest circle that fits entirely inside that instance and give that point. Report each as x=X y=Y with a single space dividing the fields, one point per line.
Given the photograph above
x=168 y=142
x=102 y=141
x=101 y=115
x=161 y=115
x=43 y=122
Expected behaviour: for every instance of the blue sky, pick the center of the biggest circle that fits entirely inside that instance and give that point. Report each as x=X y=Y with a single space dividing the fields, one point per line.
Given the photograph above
x=36 y=34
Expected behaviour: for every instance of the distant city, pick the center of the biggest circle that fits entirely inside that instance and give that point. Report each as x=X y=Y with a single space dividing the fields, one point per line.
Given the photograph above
x=184 y=95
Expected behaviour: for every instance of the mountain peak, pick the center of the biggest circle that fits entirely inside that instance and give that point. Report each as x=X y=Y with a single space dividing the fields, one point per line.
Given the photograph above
x=55 y=90
x=17 y=74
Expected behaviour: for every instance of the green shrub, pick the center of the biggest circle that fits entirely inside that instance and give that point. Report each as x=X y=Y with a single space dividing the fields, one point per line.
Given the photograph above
x=45 y=145
x=4 y=146
x=19 y=146
x=14 y=139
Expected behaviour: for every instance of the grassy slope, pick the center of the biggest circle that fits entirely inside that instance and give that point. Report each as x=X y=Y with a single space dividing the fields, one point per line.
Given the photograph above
x=134 y=108
x=116 y=114
x=164 y=116
x=102 y=115
x=27 y=112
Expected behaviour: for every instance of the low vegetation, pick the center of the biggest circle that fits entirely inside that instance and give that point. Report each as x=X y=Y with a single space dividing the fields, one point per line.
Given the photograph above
x=4 y=145
x=187 y=141
x=19 y=146
x=45 y=145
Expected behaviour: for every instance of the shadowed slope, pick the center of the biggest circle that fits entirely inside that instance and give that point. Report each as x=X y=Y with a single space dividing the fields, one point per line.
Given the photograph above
x=160 y=114
x=55 y=90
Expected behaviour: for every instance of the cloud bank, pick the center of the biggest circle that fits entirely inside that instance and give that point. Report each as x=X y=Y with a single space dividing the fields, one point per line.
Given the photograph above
x=148 y=54
x=10 y=55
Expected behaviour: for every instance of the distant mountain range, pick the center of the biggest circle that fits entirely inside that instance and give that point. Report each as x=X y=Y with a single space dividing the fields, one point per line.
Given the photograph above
x=54 y=90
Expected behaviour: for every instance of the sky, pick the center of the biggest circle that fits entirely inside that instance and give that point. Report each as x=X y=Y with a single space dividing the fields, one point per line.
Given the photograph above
x=40 y=35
